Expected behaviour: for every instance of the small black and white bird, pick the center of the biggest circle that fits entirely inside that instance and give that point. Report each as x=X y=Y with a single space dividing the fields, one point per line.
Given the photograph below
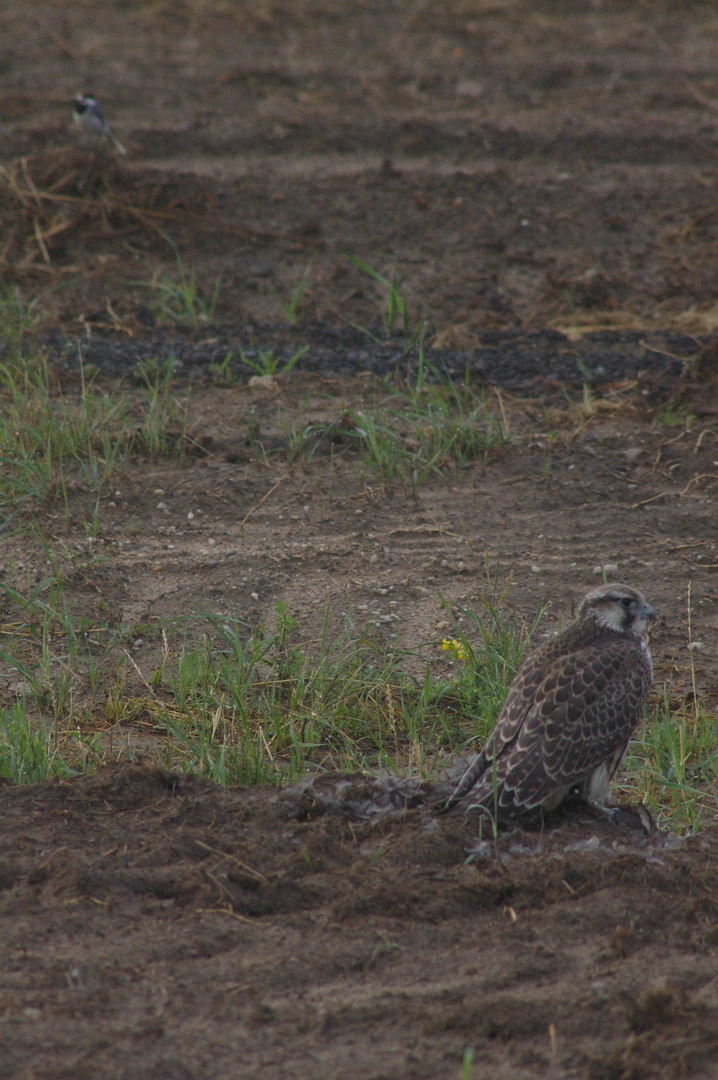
x=569 y=713
x=88 y=116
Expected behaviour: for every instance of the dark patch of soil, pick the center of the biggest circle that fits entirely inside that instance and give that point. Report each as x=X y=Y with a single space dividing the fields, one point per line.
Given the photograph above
x=161 y=927
x=538 y=363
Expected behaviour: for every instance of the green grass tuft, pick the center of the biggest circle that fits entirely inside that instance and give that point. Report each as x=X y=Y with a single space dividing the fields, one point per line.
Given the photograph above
x=48 y=437
x=265 y=362
x=426 y=427
x=178 y=298
x=28 y=754
x=672 y=765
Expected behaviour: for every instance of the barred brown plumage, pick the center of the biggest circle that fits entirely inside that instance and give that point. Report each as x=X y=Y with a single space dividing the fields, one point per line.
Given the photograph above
x=569 y=713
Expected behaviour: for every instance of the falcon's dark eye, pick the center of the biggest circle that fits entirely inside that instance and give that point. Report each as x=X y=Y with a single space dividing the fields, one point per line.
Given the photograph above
x=627 y=602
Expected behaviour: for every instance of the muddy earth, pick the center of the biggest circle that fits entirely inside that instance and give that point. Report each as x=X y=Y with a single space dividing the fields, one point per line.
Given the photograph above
x=538 y=183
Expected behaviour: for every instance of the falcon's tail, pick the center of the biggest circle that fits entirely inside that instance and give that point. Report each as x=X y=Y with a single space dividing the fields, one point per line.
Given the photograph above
x=468 y=780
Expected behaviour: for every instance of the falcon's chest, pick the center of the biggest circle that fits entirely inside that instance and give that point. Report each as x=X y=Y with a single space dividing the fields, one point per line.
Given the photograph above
x=647 y=653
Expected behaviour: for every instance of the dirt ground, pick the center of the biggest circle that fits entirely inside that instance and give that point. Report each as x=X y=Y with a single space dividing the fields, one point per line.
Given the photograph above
x=160 y=928
x=516 y=165
x=539 y=178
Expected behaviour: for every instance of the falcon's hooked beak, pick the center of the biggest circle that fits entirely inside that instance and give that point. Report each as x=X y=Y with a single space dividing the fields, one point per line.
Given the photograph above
x=644 y=615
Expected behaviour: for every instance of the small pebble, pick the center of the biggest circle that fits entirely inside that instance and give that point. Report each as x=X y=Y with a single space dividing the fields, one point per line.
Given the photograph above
x=190 y=516
x=374 y=558
x=609 y=568
x=254 y=595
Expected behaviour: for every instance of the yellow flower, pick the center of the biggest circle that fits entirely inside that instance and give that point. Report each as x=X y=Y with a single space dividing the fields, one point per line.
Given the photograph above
x=457 y=650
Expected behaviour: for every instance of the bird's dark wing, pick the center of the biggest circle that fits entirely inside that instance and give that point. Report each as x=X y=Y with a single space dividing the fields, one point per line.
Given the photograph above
x=583 y=712
x=519 y=701
x=567 y=711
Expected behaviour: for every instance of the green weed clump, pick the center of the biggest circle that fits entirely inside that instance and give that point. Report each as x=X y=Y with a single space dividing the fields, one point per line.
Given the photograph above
x=55 y=438
x=28 y=753
x=259 y=707
x=49 y=437
x=178 y=298
x=159 y=421
x=395 y=309
x=255 y=706
x=265 y=362
x=428 y=426
x=672 y=765
x=293 y=308
x=20 y=320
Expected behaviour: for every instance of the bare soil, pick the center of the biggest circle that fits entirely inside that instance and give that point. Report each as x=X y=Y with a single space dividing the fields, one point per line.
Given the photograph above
x=541 y=179
x=165 y=928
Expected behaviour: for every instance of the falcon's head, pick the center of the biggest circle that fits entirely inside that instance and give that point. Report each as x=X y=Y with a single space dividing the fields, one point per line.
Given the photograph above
x=617 y=607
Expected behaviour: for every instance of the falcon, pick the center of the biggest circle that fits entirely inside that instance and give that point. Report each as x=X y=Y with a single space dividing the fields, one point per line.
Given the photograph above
x=569 y=713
